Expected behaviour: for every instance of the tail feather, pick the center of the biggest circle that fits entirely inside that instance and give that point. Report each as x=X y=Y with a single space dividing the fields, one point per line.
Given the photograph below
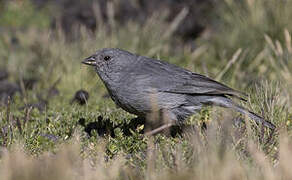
x=228 y=103
x=253 y=116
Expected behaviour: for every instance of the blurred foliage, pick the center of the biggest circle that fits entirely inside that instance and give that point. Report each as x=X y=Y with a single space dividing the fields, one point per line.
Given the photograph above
x=248 y=25
x=243 y=24
x=22 y=14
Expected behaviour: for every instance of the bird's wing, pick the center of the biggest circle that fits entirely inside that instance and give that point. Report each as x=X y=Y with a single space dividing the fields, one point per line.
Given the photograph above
x=199 y=84
x=165 y=77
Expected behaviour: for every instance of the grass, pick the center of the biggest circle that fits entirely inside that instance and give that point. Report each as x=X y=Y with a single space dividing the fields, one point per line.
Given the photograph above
x=250 y=51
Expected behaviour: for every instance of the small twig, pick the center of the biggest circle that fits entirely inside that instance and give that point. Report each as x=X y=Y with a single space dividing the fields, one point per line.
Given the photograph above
x=270 y=42
x=174 y=161
x=97 y=13
x=8 y=110
x=52 y=88
x=10 y=128
x=23 y=90
x=18 y=124
x=27 y=115
x=111 y=14
x=262 y=133
x=172 y=28
x=228 y=65
x=157 y=130
x=165 y=159
x=288 y=40
x=3 y=136
x=176 y=22
x=270 y=137
x=257 y=60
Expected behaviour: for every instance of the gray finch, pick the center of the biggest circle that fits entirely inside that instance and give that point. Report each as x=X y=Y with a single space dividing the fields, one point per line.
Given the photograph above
x=133 y=81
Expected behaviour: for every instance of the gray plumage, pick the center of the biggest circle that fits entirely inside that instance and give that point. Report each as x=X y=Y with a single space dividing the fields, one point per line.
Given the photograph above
x=136 y=82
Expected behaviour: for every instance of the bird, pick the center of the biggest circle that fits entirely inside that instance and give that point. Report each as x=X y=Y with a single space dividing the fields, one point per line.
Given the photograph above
x=132 y=82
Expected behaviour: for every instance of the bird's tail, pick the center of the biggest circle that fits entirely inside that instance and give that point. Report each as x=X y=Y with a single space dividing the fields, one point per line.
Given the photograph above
x=253 y=116
x=228 y=103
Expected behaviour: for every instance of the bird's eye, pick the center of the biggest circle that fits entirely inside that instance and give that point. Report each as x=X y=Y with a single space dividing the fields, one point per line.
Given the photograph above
x=106 y=58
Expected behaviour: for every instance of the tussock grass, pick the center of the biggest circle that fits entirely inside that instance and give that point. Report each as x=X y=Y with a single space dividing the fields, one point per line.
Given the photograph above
x=214 y=155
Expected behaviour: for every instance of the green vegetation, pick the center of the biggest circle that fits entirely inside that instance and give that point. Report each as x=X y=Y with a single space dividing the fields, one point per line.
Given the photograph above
x=247 y=47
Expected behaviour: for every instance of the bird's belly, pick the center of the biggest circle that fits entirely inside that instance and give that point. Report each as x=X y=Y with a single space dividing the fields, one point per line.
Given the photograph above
x=135 y=102
x=143 y=102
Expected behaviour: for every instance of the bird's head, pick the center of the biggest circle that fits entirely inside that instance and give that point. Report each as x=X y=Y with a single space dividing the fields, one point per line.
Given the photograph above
x=110 y=62
x=109 y=59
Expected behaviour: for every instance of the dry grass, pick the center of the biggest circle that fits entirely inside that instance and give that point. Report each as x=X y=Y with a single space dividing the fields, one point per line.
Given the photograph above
x=208 y=156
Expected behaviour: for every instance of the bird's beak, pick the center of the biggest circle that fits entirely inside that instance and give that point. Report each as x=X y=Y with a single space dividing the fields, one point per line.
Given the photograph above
x=89 y=61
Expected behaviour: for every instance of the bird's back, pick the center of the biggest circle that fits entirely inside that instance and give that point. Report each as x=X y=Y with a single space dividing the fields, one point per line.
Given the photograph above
x=161 y=76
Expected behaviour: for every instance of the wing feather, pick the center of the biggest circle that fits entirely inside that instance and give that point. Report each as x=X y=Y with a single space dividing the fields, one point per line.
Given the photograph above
x=170 y=78
x=199 y=84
